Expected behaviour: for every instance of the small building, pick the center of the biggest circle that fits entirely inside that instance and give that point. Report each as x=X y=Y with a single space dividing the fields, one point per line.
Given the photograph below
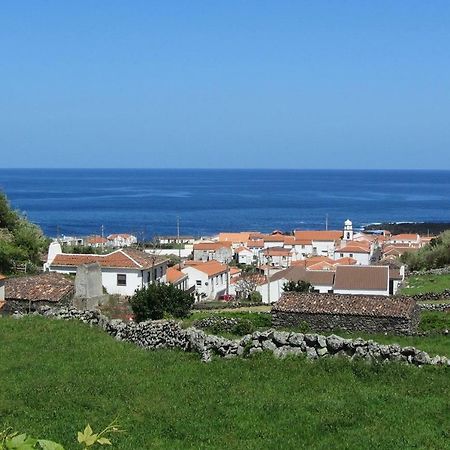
x=362 y=280
x=331 y=312
x=176 y=277
x=120 y=240
x=170 y=240
x=358 y=251
x=123 y=271
x=277 y=256
x=217 y=251
x=2 y=292
x=28 y=293
x=209 y=279
x=322 y=243
x=244 y=255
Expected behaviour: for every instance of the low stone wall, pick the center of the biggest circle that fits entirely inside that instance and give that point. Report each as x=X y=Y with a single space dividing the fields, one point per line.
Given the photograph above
x=440 y=271
x=442 y=307
x=169 y=334
x=348 y=322
x=431 y=296
x=225 y=323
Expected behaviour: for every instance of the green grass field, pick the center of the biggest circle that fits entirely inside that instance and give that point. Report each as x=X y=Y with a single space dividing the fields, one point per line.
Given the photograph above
x=420 y=284
x=57 y=376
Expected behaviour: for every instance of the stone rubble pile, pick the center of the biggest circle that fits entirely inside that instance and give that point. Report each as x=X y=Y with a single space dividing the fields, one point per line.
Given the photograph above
x=225 y=323
x=169 y=334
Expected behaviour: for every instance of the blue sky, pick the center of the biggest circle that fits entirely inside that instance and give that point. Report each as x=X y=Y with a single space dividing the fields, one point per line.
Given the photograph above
x=301 y=84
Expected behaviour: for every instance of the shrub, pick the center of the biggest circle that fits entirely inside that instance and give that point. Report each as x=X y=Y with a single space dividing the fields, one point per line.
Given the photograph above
x=255 y=297
x=243 y=327
x=156 y=300
x=297 y=286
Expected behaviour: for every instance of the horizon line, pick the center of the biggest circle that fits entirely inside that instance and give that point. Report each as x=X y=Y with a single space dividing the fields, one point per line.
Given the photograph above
x=232 y=168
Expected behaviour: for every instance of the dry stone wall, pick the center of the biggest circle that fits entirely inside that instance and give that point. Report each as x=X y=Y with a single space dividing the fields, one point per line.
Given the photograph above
x=169 y=334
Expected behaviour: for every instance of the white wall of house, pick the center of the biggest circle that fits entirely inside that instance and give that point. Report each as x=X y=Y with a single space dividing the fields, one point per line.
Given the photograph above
x=245 y=257
x=223 y=255
x=303 y=250
x=134 y=278
x=323 y=248
x=363 y=259
x=2 y=290
x=207 y=287
x=362 y=292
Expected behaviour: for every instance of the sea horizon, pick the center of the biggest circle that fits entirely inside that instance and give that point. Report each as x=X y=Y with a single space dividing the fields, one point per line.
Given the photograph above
x=77 y=201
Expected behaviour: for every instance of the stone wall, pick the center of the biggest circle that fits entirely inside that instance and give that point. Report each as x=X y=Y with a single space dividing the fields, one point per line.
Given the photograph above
x=169 y=334
x=442 y=307
x=348 y=322
x=431 y=296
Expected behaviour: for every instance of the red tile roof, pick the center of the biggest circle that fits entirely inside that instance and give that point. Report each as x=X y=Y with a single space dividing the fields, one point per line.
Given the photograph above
x=211 y=268
x=173 y=275
x=357 y=305
x=211 y=245
x=49 y=287
x=331 y=235
x=124 y=259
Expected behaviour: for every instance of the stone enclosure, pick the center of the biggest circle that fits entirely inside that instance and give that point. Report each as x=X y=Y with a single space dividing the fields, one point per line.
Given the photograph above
x=169 y=334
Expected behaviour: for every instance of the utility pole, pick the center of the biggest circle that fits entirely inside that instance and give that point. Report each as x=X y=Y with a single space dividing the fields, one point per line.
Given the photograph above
x=103 y=232
x=178 y=242
x=326 y=222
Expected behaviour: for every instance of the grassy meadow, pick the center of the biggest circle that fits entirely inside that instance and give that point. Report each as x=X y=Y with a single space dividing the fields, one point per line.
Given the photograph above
x=57 y=376
x=419 y=284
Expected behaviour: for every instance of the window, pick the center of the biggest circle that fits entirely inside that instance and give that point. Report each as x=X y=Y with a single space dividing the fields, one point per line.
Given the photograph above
x=351 y=255
x=155 y=274
x=198 y=282
x=342 y=255
x=121 y=279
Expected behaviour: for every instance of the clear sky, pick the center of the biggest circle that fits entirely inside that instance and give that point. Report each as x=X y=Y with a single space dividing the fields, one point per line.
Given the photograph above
x=238 y=84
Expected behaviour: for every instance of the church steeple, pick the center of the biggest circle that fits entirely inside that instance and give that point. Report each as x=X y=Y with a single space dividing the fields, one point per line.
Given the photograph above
x=348 y=230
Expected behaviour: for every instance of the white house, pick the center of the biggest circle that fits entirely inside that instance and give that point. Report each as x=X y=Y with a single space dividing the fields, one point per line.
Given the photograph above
x=209 y=279
x=362 y=280
x=277 y=256
x=218 y=251
x=121 y=240
x=123 y=271
x=244 y=255
x=176 y=277
x=322 y=243
x=358 y=251
x=406 y=239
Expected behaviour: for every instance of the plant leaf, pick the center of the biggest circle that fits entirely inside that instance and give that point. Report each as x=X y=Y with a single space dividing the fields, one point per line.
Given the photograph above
x=49 y=445
x=80 y=437
x=88 y=430
x=104 y=441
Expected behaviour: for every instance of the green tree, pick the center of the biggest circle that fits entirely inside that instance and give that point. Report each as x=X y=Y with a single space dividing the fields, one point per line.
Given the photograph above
x=156 y=300
x=297 y=286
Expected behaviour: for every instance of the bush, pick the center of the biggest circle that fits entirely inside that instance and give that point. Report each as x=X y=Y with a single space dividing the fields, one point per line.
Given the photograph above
x=297 y=286
x=243 y=327
x=255 y=297
x=156 y=300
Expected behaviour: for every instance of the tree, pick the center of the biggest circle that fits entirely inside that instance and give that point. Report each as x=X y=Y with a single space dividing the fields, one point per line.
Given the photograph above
x=248 y=282
x=297 y=286
x=156 y=300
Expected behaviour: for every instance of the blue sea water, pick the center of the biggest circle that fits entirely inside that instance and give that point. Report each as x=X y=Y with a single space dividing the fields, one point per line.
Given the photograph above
x=148 y=201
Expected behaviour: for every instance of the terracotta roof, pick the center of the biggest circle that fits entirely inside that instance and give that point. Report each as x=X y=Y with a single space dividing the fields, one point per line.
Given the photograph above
x=173 y=275
x=49 y=287
x=345 y=261
x=273 y=238
x=352 y=248
x=357 y=305
x=122 y=235
x=365 y=278
x=405 y=237
x=321 y=265
x=124 y=259
x=331 y=235
x=211 y=245
x=211 y=268
x=315 y=277
x=235 y=271
x=96 y=240
x=277 y=251
x=242 y=249
x=257 y=243
x=394 y=274
x=243 y=236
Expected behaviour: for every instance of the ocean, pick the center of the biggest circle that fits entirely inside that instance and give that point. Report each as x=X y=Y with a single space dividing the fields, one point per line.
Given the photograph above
x=147 y=202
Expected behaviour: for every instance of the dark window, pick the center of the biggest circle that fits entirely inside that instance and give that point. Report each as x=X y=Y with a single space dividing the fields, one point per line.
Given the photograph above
x=198 y=282
x=121 y=279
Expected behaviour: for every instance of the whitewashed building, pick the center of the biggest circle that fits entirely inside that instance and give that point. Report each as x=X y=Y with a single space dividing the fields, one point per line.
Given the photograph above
x=123 y=271
x=362 y=280
x=218 y=251
x=209 y=279
x=121 y=240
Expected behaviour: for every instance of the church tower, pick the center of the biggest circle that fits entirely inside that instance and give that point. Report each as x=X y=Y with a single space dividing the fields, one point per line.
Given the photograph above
x=348 y=231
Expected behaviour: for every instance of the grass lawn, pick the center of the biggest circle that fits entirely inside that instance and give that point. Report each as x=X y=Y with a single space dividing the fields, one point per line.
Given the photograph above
x=57 y=376
x=426 y=283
